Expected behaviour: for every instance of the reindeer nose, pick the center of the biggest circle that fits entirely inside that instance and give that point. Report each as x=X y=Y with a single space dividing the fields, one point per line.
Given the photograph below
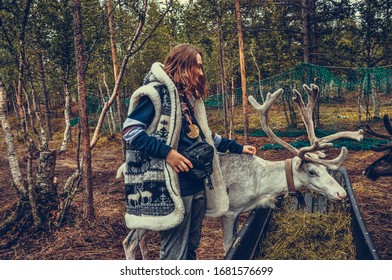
x=342 y=195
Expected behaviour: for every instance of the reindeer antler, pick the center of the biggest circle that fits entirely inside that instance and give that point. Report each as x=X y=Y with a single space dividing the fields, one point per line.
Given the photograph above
x=263 y=111
x=371 y=131
x=307 y=111
x=317 y=145
x=387 y=125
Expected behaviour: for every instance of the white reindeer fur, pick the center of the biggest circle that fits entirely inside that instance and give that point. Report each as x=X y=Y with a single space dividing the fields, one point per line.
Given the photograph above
x=120 y=171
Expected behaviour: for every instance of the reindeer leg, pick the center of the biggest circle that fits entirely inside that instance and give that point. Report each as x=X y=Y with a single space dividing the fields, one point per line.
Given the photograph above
x=235 y=227
x=131 y=242
x=143 y=245
x=129 y=245
x=228 y=222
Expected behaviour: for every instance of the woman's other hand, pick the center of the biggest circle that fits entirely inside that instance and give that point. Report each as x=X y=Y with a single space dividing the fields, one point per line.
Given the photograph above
x=248 y=149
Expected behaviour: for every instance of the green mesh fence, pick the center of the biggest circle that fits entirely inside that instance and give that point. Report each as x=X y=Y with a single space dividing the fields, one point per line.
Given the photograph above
x=334 y=83
x=348 y=98
x=94 y=109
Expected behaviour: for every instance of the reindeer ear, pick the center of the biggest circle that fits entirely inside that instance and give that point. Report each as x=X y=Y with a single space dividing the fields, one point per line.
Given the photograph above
x=300 y=164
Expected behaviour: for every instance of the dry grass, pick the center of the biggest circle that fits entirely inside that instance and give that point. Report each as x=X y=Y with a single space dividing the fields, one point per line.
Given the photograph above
x=300 y=235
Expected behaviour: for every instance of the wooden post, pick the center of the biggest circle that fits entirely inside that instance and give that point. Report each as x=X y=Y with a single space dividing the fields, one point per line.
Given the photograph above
x=232 y=101
x=242 y=66
x=222 y=69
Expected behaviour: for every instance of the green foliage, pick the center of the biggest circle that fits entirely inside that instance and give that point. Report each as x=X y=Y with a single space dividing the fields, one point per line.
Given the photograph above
x=344 y=33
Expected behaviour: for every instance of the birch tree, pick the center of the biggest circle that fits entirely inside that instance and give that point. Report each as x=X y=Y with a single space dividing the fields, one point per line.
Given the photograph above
x=21 y=69
x=9 y=139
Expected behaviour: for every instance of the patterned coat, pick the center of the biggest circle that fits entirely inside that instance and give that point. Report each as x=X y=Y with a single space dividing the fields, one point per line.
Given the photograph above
x=151 y=186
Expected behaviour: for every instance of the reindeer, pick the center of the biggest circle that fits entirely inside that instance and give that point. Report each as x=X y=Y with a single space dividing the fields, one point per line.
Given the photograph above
x=146 y=194
x=257 y=182
x=266 y=180
x=135 y=198
x=382 y=166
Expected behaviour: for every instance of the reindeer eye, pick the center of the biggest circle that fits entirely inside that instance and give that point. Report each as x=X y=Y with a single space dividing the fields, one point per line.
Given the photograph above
x=312 y=173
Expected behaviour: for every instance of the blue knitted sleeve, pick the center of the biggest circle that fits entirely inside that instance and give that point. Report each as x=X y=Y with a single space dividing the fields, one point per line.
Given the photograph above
x=140 y=118
x=150 y=145
x=223 y=144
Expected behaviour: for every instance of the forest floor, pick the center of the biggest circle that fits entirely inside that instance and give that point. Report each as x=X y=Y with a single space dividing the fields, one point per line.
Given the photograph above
x=101 y=238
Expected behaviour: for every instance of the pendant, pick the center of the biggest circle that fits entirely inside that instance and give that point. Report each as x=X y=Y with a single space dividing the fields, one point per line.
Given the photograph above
x=193 y=131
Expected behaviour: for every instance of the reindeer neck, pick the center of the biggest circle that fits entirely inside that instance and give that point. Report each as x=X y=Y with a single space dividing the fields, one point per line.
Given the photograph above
x=273 y=177
x=277 y=177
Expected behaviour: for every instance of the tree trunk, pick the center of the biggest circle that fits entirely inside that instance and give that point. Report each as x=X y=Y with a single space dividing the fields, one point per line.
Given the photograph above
x=29 y=112
x=305 y=30
x=232 y=100
x=37 y=113
x=110 y=119
x=292 y=121
x=367 y=94
x=31 y=188
x=48 y=126
x=67 y=114
x=376 y=104
x=258 y=73
x=112 y=33
x=9 y=139
x=242 y=66
x=88 y=209
x=19 y=97
x=46 y=187
x=313 y=48
x=110 y=110
x=359 y=106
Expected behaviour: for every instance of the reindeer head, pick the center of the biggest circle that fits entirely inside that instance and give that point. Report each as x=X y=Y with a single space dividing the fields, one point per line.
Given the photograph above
x=382 y=166
x=310 y=165
x=315 y=177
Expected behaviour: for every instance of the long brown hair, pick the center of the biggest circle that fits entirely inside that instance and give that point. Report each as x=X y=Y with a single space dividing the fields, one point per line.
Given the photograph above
x=179 y=65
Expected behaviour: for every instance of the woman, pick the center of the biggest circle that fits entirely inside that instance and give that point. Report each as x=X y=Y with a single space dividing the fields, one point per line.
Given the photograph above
x=166 y=115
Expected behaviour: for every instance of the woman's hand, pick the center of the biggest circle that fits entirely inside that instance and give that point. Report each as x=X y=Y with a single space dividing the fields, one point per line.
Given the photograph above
x=251 y=150
x=178 y=162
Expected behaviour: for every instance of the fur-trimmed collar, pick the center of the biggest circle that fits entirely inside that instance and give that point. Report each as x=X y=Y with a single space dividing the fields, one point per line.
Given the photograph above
x=157 y=74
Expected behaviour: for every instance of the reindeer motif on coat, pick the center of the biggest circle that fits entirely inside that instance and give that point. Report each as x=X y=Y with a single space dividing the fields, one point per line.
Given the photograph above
x=382 y=166
x=257 y=182
x=134 y=198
